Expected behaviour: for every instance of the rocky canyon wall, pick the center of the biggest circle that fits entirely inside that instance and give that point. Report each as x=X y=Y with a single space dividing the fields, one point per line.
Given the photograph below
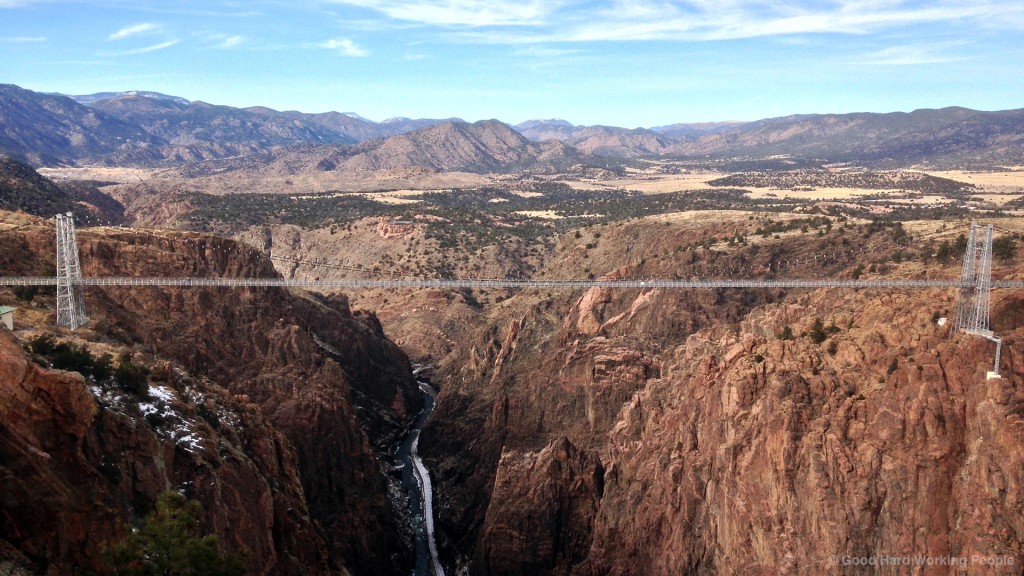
x=586 y=446
x=323 y=392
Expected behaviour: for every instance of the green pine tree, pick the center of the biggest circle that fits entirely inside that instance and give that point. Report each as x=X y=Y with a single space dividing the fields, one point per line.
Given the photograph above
x=169 y=543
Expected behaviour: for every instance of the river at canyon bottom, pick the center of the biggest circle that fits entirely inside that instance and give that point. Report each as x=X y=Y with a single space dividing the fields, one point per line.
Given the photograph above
x=416 y=481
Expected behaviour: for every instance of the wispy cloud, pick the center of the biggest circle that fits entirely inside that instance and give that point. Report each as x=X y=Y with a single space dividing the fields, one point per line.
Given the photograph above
x=910 y=56
x=546 y=52
x=231 y=41
x=471 y=13
x=631 y=20
x=344 y=46
x=22 y=39
x=538 y=21
x=218 y=39
x=148 y=49
x=134 y=30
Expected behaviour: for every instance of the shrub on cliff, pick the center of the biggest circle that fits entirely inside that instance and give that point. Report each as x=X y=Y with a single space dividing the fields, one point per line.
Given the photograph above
x=169 y=542
x=72 y=357
x=1004 y=248
x=818 y=334
x=131 y=377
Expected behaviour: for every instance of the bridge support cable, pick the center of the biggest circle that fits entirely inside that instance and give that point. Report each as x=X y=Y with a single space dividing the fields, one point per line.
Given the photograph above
x=70 y=298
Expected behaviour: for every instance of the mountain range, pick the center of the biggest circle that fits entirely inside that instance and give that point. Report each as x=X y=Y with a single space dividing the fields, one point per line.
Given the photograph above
x=488 y=146
x=600 y=140
x=152 y=129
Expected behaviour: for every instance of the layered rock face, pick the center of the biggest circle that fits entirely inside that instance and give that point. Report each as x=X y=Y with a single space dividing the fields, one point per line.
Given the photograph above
x=75 y=470
x=325 y=378
x=587 y=447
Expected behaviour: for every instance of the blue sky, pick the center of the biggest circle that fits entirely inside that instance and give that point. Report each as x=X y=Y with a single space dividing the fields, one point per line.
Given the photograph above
x=616 y=62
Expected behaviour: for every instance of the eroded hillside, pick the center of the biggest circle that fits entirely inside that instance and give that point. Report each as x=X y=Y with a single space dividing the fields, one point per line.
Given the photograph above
x=729 y=432
x=311 y=397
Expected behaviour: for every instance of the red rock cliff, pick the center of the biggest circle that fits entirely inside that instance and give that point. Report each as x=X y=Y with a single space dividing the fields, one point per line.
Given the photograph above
x=326 y=378
x=591 y=449
x=75 y=470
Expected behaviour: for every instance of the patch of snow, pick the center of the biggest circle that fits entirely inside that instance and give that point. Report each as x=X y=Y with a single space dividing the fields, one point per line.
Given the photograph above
x=161 y=393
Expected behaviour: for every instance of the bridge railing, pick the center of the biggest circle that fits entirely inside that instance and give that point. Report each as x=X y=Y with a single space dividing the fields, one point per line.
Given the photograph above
x=499 y=283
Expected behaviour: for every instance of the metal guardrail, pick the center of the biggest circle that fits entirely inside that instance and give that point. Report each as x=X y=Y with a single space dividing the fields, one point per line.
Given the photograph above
x=580 y=284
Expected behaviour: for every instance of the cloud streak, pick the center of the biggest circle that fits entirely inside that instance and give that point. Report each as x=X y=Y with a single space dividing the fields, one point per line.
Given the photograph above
x=148 y=49
x=231 y=41
x=344 y=46
x=23 y=39
x=517 y=22
x=909 y=56
x=133 y=30
x=470 y=13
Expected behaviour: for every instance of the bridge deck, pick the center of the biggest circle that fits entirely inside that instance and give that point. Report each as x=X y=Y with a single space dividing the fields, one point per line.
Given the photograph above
x=579 y=284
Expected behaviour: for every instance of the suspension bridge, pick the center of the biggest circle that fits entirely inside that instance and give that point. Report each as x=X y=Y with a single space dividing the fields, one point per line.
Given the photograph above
x=972 y=308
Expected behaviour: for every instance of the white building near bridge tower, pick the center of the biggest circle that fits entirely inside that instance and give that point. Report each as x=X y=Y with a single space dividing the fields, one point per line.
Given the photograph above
x=7 y=316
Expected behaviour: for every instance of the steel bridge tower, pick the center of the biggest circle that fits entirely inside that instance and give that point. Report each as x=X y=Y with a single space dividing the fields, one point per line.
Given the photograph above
x=70 y=299
x=972 y=306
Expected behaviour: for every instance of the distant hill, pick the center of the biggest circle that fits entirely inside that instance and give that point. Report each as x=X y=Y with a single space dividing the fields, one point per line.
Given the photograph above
x=696 y=129
x=486 y=146
x=152 y=129
x=351 y=126
x=600 y=140
x=217 y=131
x=22 y=188
x=44 y=129
x=89 y=99
x=547 y=124
x=453 y=146
x=394 y=126
x=948 y=137
x=543 y=130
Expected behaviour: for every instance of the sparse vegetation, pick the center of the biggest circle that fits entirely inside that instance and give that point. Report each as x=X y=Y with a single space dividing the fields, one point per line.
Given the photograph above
x=170 y=541
x=127 y=375
x=131 y=377
x=1004 y=248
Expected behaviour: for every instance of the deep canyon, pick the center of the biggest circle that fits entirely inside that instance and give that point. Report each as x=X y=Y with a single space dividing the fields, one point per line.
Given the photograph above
x=602 y=432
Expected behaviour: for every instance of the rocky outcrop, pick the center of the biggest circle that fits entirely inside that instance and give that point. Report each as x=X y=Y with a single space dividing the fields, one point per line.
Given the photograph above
x=601 y=443
x=324 y=377
x=389 y=228
x=545 y=514
x=24 y=189
x=77 y=467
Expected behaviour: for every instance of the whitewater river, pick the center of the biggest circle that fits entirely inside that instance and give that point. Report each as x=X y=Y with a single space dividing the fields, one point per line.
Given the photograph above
x=416 y=480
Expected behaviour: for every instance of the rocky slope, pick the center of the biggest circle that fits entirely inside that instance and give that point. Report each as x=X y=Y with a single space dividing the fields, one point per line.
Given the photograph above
x=45 y=129
x=198 y=131
x=22 y=188
x=696 y=129
x=600 y=140
x=140 y=129
x=79 y=464
x=486 y=146
x=645 y=432
x=452 y=154
x=323 y=379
